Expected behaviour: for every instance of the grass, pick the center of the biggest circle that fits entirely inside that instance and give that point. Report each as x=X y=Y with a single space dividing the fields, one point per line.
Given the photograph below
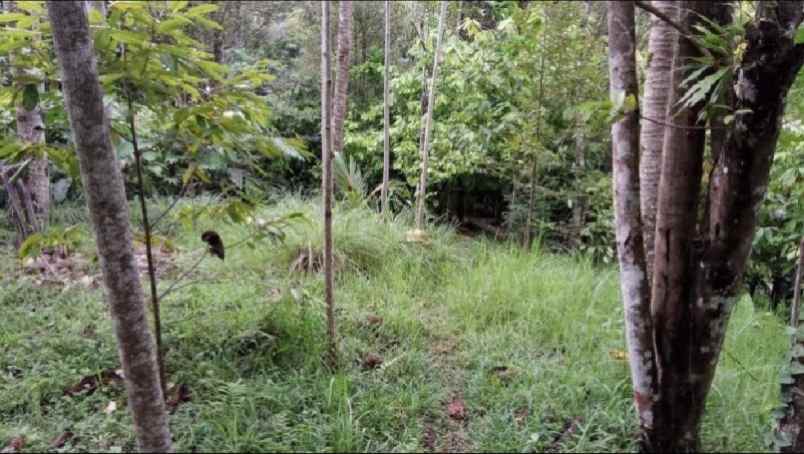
x=527 y=343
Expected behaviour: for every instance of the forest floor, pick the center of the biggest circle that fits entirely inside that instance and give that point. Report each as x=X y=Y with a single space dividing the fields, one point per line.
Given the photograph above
x=454 y=345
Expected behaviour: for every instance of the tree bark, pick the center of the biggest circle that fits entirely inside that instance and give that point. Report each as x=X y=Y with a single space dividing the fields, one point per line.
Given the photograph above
x=339 y=107
x=386 y=155
x=740 y=178
x=654 y=105
x=326 y=179
x=29 y=195
x=791 y=424
x=428 y=126
x=579 y=204
x=106 y=199
x=628 y=229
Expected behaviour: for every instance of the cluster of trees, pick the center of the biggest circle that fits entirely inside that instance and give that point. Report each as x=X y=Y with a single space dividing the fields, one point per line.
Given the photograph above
x=490 y=113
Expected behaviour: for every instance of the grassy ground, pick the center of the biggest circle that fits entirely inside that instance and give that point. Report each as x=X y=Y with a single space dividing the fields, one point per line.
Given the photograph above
x=483 y=346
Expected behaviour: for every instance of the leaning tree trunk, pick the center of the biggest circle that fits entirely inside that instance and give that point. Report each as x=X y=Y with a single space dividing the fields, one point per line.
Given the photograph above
x=740 y=179
x=634 y=285
x=386 y=154
x=339 y=105
x=657 y=85
x=428 y=125
x=106 y=198
x=326 y=180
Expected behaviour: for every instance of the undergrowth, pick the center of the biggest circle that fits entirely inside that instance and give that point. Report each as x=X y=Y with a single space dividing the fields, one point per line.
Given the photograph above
x=529 y=345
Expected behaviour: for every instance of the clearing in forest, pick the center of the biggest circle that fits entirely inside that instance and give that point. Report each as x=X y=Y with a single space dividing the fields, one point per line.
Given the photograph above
x=445 y=346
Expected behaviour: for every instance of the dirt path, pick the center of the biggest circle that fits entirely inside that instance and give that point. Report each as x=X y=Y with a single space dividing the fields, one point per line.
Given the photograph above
x=446 y=429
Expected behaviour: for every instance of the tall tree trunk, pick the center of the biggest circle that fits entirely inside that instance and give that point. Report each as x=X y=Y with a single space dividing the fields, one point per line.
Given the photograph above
x=386 y=155
x=106 y=198
x=634 y=285
x=740 y=178
x=675 y=257
x=339 y=106
x=326 y=179
x=698 y=268
x=579 y=204
x=428 y=126
x=527 y=237
x=654 y=105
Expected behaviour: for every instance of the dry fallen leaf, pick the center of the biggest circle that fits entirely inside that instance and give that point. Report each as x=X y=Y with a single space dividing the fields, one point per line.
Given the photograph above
x=15 y=444
x=371 y=361
x=618 y=355
x=61 y=440
x=110 y=408
x=456 y=409
x=178 y=394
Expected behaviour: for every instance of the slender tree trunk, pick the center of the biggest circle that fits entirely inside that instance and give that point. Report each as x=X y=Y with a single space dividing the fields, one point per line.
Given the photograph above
x=675 y=259
x=634 y=285
x=527 y=237
x=386 y=155
x=339 y=106
x=579 y=204
x=429 y=120
x=103 y=185
x=791 y=424
x=327 y=182
x=31 y=129
x=654 y=105
x=146 y=226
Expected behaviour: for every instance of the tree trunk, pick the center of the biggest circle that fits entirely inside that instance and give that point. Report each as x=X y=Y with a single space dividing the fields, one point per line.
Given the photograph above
x=698 y=266
x=527 y=237
x=579 y=204
x=326 y=179
x=339 y=107
x=29 y=194
x=428 y=125
x=31 y=129
x=740 y=177
x=654 y=105
x=634 y=285
x=103 y=186
x=386 y=155
x=791 y=424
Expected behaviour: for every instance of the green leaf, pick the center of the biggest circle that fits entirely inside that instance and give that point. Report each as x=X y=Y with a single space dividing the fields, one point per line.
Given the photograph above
x=178 y=6
x=800 y=35
x=201 y=10
x=31 y=246
x=129 y=37
x=172 y=24
x=30 y=97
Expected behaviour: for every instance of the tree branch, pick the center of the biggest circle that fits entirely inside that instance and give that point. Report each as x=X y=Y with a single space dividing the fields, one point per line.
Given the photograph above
x=680 y=28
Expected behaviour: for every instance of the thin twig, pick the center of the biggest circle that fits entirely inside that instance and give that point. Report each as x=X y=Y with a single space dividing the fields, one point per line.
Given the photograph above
x=183 y=275
x=676 y=126
x=172 y=205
